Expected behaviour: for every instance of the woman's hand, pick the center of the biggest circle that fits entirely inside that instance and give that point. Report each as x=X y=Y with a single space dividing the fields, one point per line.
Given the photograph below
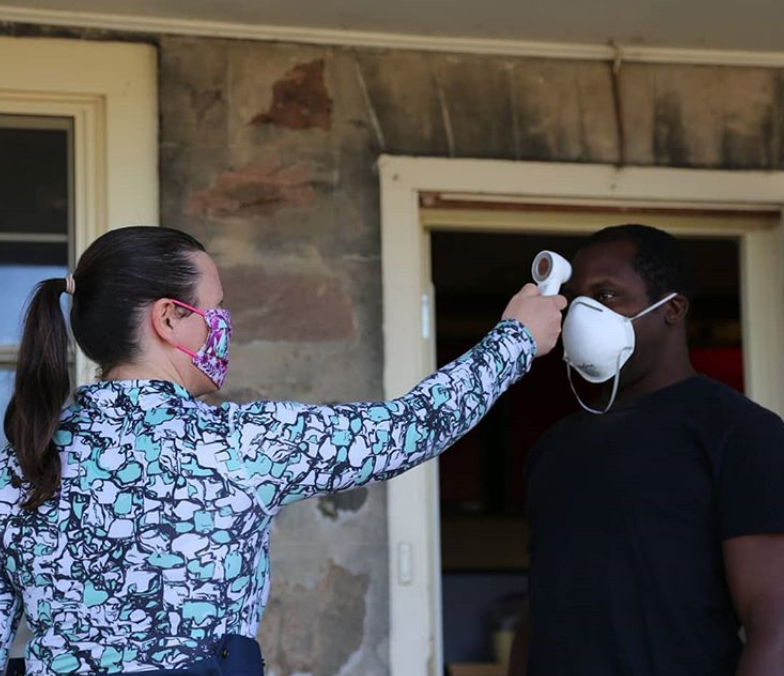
x=541 y=315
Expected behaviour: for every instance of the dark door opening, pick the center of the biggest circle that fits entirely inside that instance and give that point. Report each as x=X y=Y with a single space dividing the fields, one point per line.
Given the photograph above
x=483 y=533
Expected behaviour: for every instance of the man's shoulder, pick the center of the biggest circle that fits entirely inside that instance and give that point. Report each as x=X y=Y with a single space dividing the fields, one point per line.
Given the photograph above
x=722 y=418
x=703 y=402
x=727 y=405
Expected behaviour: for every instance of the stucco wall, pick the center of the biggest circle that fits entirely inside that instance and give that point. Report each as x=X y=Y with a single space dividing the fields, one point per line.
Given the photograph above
x=268 y=156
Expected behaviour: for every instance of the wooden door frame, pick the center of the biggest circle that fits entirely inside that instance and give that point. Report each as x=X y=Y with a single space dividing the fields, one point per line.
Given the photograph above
x=712 y=203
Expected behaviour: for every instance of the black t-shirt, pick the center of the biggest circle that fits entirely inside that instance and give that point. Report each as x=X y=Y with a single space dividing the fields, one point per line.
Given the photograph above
x=628 y=512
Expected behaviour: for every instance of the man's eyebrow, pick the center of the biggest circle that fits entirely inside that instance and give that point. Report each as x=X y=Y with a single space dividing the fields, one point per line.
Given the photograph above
x=603 y=281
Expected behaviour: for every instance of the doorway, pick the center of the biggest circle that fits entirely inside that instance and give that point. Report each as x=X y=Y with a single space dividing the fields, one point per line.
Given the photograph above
x=423 y=196
x=481 y=479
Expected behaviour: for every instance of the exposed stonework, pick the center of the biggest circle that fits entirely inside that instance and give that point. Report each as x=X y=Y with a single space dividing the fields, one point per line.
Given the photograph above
x=300 y=100
x=288 y=306
x=322 y=639
x=258 y=189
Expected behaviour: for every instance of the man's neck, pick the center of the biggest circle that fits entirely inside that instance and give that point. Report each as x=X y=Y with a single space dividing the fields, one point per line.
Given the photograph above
x=673 y=368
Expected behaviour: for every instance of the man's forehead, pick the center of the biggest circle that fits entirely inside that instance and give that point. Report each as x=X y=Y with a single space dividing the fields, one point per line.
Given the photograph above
x=606 y=258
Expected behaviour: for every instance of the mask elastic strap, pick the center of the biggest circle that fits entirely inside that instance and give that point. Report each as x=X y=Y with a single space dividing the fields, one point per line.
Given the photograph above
x=187 y=307
x=616 y=381
x=658 y=304
x=184 y=349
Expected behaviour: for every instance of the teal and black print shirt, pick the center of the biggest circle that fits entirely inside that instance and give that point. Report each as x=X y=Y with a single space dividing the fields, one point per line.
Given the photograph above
x=157 y=543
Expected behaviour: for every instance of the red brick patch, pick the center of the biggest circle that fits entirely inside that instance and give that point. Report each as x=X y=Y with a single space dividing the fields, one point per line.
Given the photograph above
x=300 y=100
x=257 y=189
x=287 y=306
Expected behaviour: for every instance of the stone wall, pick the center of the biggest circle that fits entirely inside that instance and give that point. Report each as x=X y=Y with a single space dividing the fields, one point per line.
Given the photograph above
x=268 y=156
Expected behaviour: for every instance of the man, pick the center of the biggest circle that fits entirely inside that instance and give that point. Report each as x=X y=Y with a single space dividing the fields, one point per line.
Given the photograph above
x=657 y=527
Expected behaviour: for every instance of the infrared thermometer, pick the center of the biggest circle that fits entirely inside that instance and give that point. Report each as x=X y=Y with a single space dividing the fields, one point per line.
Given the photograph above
x=549 y=271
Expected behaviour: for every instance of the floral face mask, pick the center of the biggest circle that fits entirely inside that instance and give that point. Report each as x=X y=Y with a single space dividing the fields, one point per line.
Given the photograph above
x=212 y=359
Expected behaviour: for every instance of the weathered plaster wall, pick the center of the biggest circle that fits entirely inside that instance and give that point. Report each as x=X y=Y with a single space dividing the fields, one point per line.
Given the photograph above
x=268 y=156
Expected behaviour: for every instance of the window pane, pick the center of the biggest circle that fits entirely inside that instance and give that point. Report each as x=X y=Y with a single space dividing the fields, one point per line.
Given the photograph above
x=36 y=210
x=34 y=175
x=24 y=254
x=6 y=387
x=17 y=282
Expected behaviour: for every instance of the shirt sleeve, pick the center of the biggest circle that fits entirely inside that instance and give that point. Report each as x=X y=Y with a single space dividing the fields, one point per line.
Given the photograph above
x=751 y=479
x=294 y=451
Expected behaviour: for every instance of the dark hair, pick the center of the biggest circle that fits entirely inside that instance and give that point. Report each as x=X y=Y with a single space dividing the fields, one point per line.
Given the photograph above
x=661 y=260
x=116 y=277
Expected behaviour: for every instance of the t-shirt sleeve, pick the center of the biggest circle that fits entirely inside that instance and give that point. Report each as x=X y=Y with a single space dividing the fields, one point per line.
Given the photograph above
x=751 y=479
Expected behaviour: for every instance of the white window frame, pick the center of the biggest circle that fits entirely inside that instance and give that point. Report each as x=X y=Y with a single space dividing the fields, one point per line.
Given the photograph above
x=109 y=90
x=8 y=351
x=409 y=343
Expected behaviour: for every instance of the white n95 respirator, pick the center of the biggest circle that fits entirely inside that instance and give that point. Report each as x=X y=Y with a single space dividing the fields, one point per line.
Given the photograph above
x=598 y=342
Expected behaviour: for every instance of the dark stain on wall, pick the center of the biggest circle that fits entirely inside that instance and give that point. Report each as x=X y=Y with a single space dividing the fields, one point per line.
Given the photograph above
x=670 y=141
x=743 y=151
x=534 y=141
x=777 y=122
x=203 y=101
x=351 y=501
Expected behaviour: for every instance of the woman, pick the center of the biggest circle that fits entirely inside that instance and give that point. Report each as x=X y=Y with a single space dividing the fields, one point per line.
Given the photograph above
x=136 y=521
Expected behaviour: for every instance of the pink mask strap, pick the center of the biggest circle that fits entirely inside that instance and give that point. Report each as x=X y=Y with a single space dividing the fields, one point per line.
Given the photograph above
x=187 y=307
x=184 y=349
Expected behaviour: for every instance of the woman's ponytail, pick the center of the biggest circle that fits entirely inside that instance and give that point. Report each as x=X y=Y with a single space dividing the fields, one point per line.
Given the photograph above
x=41 y=387
x=119 y=275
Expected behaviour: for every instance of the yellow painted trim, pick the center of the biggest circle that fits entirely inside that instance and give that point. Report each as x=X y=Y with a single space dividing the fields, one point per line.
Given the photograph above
x=109 y=90
x=543 y=222
x=412 y=499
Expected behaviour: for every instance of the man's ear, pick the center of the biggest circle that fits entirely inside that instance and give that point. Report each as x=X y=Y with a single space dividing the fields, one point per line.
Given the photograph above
x=163 y=317
x=676 y=309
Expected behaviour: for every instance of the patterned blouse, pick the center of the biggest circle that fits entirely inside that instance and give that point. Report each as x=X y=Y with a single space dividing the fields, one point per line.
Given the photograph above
x=157 y=542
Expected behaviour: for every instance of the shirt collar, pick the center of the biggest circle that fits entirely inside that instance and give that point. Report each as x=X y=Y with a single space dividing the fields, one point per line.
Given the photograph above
x=144 y=394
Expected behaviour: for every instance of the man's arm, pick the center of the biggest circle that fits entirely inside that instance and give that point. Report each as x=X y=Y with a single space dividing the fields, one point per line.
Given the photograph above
x=754 y=567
